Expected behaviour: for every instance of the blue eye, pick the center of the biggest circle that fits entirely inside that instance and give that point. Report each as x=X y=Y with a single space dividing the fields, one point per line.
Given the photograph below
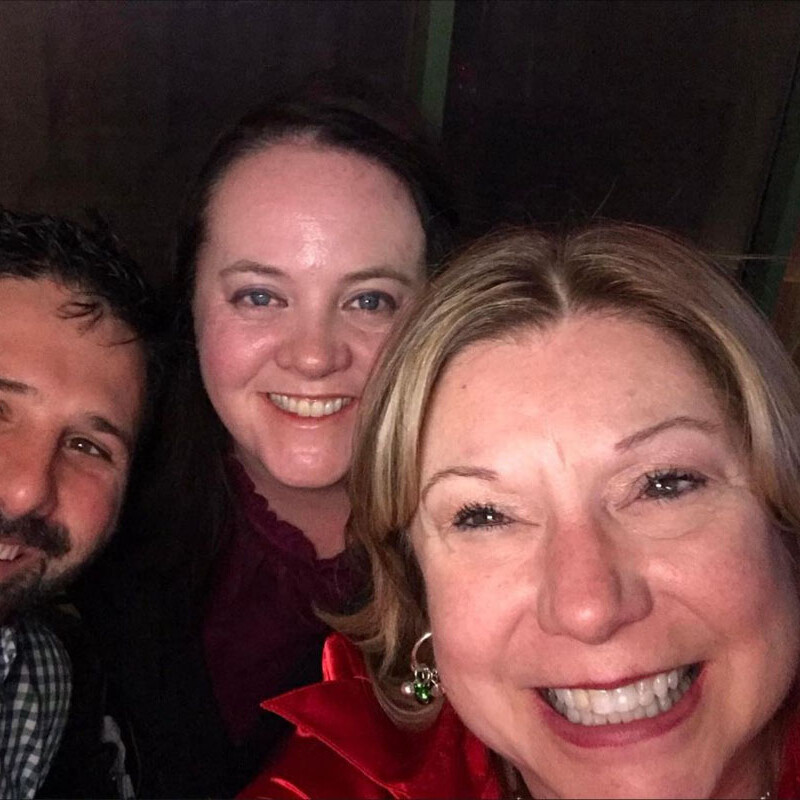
x=256 y=298
x=259 y=298
x=479 y=515
x=669 y=484
x=374 y=301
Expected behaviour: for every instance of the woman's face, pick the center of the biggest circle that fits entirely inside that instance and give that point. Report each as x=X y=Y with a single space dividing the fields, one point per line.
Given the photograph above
x=611 y=608
x=310 y=254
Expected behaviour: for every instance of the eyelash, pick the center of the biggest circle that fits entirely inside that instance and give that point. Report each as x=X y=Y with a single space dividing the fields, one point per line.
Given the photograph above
x=656 y=484
x=386 y=303
x=383 y=298
x=245 y=297
x=85 y=445
x=492 y=518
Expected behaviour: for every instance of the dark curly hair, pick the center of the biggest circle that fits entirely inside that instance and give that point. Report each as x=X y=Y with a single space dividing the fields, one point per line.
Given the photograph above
x=92 y=264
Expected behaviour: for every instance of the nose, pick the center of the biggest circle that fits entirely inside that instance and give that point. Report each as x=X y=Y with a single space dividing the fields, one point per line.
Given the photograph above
x=592 y=585
x=27 y=479
x=314 y=347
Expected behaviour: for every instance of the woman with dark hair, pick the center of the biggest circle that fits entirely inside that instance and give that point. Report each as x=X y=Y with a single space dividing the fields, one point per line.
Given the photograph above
x=311 y=226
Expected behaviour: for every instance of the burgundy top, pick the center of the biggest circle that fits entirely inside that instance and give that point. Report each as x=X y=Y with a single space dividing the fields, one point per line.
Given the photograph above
x=259 y=624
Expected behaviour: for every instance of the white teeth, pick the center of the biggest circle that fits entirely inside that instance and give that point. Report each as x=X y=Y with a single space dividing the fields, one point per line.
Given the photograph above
x=581 y=699
x=8 y=552
x=644 y=690
x=625 y=698
x=565 y=696
x=648 y=697
x=309 y=406
x=672 y=679
x=601 y=700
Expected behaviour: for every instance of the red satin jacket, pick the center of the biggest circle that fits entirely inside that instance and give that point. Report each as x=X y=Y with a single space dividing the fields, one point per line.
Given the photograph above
x=346 y=747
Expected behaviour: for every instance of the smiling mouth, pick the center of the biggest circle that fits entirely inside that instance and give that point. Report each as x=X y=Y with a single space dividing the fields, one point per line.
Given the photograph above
x=309 y=406
x=644 y=698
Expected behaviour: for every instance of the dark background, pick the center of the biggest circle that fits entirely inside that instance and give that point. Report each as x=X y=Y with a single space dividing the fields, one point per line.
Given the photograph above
x=674 y=113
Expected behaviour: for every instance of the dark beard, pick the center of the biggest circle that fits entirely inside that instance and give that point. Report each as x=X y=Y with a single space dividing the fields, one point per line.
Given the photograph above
x=28 y=588
x=52 y=540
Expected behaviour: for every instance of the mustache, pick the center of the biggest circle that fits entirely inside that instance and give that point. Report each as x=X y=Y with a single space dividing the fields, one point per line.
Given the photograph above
x=53 y=540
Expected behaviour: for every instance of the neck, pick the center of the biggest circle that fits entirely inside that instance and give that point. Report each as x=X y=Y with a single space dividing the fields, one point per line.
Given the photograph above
x=320 y=513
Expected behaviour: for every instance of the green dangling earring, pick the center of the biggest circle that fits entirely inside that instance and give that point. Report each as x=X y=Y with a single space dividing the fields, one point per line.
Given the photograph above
x=425 y=685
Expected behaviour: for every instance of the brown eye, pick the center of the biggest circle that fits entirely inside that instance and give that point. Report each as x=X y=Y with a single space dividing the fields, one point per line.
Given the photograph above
x=88 y=447
x=671 y=484
x=479 y=516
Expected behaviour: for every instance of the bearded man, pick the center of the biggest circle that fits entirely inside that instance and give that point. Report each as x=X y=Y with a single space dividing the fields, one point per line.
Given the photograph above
x=76 y=344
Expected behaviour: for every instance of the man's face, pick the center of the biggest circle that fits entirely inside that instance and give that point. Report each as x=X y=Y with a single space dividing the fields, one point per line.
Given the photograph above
x=70 y=399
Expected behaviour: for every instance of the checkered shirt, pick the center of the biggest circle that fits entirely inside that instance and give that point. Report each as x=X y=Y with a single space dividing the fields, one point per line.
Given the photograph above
x=35 y=687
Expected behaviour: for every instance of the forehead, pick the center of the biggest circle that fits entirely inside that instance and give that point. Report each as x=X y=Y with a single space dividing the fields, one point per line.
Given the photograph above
x=586 y=376
x=66 y=359
x=280 y=201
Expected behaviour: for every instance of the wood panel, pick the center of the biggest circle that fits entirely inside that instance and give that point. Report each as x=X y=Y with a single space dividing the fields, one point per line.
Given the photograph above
x=661 y=112
x=114 y=105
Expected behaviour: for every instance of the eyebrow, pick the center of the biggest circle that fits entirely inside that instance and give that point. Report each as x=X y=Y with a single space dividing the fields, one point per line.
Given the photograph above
x=103 y=425
x=16 y=387
x=97 y=422
x=643 y=435
x=251 y=266
x=458 y=472
x=370 y=273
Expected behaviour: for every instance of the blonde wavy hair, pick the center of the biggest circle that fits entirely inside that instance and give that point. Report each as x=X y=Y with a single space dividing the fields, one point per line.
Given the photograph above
x=526 y=279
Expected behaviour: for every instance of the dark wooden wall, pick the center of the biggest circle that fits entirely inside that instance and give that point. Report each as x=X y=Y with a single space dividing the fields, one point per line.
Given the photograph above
x=115 y=104
x=664 y=112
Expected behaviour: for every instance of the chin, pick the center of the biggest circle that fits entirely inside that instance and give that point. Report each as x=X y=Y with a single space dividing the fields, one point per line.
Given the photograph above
x=631 y=786
x=310 y=477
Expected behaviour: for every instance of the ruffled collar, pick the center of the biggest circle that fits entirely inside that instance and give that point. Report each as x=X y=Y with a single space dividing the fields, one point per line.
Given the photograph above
x=267 y=525
x=445 y=760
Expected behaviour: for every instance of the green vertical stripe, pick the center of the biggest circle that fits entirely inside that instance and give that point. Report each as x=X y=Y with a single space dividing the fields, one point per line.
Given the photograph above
x=439 y=34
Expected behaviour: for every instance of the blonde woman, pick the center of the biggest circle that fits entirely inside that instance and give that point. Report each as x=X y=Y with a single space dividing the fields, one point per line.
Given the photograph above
x=578 y=470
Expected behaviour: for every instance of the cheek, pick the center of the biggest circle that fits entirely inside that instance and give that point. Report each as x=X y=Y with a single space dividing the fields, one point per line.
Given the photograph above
x=91 y=515
x=738 y=580
x=229 y=354
x=367 y=348
x=472 y=617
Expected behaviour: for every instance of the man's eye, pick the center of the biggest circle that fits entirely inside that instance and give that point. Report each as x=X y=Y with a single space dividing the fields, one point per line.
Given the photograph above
x=670 y=484
x=479 y=515
x=374 y=301
x=88 y=447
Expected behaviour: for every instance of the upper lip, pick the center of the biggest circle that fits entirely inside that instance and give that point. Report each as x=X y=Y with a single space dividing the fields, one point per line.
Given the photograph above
x=300 y=396
x=613 y=683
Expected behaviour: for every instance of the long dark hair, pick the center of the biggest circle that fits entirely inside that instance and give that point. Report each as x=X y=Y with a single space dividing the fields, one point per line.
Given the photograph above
x=182 y=501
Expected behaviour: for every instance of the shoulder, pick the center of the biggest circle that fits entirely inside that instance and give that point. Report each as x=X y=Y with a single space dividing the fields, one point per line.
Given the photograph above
x=36 y=688
x=38 y=667
x=344 y=745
